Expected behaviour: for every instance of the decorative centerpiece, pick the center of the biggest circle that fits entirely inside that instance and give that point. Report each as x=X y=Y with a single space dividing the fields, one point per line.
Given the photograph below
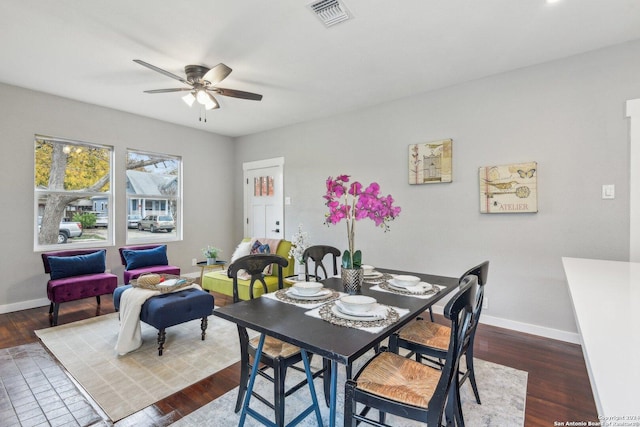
x=211 y=254
x=299 y=243
x=352 y=204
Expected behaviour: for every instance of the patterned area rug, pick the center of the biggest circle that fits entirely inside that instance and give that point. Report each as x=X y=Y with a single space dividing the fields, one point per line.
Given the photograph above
x=123 y=385
x=502 y=390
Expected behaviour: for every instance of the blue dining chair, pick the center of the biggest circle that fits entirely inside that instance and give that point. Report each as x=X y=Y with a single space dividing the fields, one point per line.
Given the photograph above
x=274 y=353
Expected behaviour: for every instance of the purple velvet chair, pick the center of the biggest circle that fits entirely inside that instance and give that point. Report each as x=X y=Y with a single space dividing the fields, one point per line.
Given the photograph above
x=76 y=274
x=140 y=260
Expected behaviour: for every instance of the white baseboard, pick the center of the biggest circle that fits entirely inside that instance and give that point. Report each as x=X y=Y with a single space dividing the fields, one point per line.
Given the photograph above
x=24 y=305
x=527 y=328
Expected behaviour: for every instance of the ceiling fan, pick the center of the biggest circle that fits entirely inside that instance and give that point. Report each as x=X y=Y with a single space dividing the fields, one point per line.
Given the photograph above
x=202 y=83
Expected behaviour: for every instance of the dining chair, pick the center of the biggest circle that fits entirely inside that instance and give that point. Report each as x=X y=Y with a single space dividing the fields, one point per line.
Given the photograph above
x=396 y=385
x=316 y=254
x=275 y=354
x=429 y=340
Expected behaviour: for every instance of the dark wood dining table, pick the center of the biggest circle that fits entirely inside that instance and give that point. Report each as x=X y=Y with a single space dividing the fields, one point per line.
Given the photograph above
x=339 y=344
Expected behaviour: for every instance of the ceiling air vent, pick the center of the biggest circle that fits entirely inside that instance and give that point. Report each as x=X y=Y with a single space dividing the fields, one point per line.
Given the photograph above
x=330 y=12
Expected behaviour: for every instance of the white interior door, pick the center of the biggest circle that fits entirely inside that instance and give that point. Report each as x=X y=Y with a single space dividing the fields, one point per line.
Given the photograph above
x=264 y=198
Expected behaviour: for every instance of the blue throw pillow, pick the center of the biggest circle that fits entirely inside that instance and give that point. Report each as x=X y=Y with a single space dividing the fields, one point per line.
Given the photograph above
x=138 y=258
x=76 y=265
x=259 y=248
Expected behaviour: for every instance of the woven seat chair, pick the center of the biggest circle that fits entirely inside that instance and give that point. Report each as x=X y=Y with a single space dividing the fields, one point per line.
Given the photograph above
x=276 y=354
x=317 y=254
x=396 y=385
x=429 y=339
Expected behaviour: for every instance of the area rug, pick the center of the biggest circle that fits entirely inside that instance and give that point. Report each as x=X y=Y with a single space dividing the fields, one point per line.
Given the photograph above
x=502 y=389
x=123 y=385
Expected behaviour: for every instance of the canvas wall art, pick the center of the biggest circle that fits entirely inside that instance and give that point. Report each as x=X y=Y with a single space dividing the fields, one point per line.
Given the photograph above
x=509 y=188
x=430 y=162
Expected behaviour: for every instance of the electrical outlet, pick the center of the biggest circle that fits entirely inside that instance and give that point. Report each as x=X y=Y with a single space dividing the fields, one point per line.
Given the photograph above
x=485 y=303
x=194 y=261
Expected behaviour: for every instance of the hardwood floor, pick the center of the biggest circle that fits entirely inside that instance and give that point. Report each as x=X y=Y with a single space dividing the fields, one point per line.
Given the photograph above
x=558 y=386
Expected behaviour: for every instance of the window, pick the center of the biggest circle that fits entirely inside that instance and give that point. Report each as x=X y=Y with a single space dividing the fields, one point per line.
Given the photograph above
x=153 y=186
x=72 y=193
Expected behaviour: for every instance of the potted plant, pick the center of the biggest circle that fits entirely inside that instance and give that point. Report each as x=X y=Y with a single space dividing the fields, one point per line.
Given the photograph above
x=211 y=253
x=352 y=202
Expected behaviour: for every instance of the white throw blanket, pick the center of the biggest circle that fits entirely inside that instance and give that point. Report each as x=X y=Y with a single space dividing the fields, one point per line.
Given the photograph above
x=131 y=301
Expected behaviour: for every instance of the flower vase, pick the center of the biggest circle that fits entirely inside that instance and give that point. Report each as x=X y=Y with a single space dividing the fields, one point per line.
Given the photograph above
x=302 y=277
x=352 y=279
x=211 y=261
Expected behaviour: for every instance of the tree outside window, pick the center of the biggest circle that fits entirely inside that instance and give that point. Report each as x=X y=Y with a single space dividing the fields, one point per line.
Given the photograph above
x=70 y=178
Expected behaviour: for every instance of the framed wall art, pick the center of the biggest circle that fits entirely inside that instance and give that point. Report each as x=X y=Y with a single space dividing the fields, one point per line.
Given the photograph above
x=430 y=162
x=509 y=188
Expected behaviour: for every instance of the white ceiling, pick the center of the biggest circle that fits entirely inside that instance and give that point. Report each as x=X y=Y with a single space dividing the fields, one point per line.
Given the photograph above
x=83 y=49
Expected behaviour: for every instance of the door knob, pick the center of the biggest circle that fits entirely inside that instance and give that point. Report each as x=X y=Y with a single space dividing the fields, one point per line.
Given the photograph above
x=277 y=230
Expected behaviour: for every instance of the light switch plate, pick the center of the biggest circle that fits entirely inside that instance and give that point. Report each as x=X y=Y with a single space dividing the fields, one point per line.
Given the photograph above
x=608 y=191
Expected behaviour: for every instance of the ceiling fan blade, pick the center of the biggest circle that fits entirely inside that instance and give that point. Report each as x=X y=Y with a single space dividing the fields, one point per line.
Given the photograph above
x=168 y=90
x=238 y=94
x=212 y=103
x=217 y=74
x=161 y=71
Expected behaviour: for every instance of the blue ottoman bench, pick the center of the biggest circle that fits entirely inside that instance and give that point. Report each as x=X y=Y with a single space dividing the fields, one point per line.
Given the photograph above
x=170 y=309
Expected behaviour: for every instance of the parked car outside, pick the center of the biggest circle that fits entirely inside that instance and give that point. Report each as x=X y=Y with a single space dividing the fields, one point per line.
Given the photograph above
x=156 y=223
x=102 y=220
x=67 y=230
x=133 y=220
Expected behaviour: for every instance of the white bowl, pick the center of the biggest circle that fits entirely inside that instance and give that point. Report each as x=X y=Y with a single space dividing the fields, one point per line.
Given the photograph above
x=358 y=303
x=406 y=280
x=307 y=288
x=368 y=269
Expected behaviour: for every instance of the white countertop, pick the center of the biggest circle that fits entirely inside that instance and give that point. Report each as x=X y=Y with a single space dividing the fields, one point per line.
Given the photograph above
x=606 y=305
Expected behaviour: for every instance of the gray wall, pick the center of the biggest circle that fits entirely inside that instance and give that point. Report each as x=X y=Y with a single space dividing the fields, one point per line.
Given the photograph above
x=567 y=115
x=23 y=113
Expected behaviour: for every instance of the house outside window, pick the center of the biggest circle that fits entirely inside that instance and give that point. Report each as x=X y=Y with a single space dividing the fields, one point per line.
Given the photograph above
x=154 y=203
x=68 y=176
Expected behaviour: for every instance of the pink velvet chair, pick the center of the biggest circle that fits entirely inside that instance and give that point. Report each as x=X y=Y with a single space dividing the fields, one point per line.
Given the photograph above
x=145 y=259
x=76 y=274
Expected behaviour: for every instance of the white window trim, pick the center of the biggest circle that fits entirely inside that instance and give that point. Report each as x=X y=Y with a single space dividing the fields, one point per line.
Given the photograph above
x=110 y=200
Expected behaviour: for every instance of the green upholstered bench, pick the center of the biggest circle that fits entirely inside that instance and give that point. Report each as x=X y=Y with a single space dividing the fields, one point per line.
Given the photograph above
x=218 y=281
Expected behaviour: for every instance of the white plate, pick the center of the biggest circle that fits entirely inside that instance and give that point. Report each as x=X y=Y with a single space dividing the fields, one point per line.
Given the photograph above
x=420 y=287
x=297 y=292
x=397 y=284
x=345 y=310
x=373 y=275
x=337 y=312
x=291 y=292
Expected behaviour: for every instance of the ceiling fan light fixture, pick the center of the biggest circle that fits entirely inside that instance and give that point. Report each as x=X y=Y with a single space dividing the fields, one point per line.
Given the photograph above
x=189 y=99
x=201 y=81
x=201 y=96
